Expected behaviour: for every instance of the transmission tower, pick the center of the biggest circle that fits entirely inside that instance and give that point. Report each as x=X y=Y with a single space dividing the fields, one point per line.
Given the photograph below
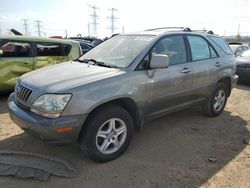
x=94 y=17
x=38 y=25
x=112 y=19
x=25 y=25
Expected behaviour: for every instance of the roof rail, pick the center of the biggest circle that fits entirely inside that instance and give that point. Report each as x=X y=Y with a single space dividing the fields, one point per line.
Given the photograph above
x=160 y=28
x=186 y=29
x=204 y=31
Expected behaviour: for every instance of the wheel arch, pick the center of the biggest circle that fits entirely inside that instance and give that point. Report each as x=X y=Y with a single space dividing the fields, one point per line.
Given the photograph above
x=127 y=103
x=228 y=82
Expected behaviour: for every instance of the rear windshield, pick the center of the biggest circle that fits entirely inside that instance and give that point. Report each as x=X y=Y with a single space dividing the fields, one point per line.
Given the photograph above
x=221 y=43
x=53 y=49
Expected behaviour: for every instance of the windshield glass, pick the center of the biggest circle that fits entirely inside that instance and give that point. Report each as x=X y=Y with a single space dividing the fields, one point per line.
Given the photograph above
x=245 y=53
x=118 y=51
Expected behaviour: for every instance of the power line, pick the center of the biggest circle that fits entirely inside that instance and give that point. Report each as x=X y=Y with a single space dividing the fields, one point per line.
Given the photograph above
x=112 y=19
x=38 y=25
x=25 y=24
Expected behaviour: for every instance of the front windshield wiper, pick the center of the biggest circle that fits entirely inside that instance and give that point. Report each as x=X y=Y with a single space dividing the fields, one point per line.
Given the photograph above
x=99 y=63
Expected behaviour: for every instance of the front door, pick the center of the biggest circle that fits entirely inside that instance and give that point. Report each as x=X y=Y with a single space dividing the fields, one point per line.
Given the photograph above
x=169 y=88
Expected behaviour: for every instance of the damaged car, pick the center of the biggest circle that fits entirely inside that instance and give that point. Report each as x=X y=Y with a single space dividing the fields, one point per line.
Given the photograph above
x=22 y=54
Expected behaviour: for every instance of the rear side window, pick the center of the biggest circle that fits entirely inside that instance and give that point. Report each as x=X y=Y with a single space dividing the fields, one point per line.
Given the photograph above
x=14 y=49
x=221 y=43
x=53 y=49
x=199 y=48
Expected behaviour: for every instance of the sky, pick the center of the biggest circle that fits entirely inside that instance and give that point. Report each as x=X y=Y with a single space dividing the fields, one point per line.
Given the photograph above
x=60 y=17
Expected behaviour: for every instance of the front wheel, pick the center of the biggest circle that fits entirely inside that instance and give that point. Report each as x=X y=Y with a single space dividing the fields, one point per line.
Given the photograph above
x=217 y=102
x=108 y=134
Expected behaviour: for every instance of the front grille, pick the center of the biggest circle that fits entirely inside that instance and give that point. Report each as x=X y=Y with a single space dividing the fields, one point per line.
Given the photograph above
x=22 y=92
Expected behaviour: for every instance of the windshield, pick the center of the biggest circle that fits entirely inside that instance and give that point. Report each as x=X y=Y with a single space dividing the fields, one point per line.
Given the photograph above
x=245 y=53
x=118 y=51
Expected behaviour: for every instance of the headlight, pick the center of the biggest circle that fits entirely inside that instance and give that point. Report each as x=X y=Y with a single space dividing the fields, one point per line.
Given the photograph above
x=50 y=105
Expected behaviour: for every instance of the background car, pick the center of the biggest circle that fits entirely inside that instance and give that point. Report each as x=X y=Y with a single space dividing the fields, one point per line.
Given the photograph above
x=92 y=40
x=243 y=66
x=21 y=54
x=85 y=45
x=238 y=48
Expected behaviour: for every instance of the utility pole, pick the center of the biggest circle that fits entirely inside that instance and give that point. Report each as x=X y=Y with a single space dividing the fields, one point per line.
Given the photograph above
x=66 y=33
x=88 y=29
x=94 y=16
x=238 y=30
x=112 y=19
x=38 y=25
x=25 y=24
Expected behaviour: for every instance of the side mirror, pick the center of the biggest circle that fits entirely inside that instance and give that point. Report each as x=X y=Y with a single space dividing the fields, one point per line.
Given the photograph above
x=1 y=52
x=159 y=61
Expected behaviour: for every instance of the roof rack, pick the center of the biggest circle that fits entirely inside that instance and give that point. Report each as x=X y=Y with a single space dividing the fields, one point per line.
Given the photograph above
x=186 y=29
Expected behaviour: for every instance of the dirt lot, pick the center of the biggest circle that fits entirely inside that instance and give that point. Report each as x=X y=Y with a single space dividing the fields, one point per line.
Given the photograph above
x=172 y=151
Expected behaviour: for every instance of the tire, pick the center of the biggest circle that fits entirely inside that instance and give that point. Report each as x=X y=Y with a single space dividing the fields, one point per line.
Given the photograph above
x=108 y=133
x=217 y=102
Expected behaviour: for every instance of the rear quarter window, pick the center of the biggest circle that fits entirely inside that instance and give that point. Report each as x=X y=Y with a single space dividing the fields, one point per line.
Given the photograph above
x=222 y=44
x=53 y=49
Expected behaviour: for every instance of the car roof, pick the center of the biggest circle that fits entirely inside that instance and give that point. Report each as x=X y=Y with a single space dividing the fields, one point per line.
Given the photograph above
x=36 y=39
x=168 y=30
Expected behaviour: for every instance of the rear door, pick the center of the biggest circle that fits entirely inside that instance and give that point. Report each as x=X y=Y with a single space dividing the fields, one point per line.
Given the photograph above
x=48 y=53
x=204 y=59
x=15 y=60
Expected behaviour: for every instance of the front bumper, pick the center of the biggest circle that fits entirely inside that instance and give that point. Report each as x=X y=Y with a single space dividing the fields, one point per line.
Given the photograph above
x=45 y=128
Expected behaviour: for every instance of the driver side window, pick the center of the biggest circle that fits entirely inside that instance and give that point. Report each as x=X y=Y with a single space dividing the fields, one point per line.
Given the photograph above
x=174 y=47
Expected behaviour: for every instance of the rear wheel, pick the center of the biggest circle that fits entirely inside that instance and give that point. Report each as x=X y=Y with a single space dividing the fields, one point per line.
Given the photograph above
x=217 y=102
x=108 y=134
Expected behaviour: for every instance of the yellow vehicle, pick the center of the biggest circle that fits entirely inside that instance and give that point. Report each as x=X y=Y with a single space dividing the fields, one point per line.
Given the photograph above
x=22 y=54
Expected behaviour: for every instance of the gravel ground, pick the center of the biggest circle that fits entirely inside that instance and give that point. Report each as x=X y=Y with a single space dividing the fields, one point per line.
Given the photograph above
x=172 y=151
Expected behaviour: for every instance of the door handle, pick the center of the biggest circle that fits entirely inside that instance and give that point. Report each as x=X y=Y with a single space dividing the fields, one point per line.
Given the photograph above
x=217 y=64
x=186 y=70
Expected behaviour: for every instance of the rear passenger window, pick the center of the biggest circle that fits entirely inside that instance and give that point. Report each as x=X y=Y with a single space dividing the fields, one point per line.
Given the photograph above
x=53 y=49
x=199 y=48
x=174 y=47
x=14 y=49
x=221 y=43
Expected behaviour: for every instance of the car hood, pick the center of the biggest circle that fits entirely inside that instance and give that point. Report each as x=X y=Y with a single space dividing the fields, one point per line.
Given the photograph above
x=66 y=75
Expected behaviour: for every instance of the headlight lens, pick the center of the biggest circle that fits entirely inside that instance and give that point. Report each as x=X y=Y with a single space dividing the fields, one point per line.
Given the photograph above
x=50 y=105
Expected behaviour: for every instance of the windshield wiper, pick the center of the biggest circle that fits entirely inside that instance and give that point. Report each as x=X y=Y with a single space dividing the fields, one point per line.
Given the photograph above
x=82 y=60
x=99 y=63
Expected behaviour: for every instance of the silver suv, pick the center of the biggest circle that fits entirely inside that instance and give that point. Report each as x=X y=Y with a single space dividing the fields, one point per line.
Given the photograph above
x=101 y=98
